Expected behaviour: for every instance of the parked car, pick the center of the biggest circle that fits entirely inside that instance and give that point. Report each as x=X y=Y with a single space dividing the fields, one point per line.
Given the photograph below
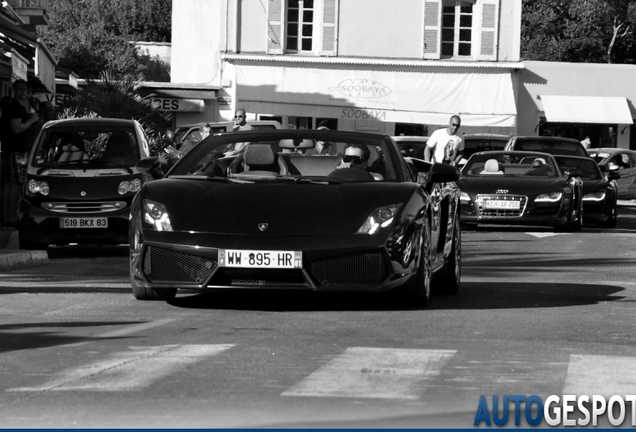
x=474 y=143
x=190 y=132
x=411 y=145
x=547 y=144
x=273 y=217
x=600 y=192
x=621 y=161
x=520 y=188
x=80 y=182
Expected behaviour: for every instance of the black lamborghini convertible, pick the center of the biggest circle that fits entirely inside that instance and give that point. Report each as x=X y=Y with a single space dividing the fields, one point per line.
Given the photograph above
x=277 y=214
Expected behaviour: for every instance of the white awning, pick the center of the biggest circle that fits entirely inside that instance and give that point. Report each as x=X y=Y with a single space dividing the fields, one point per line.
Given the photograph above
x=586 y=109
x=481 y=98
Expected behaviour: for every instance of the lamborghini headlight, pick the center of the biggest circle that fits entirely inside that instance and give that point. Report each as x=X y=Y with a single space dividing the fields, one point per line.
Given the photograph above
x=381 y=217
x=37 y=186
x=157 y=215
x=594 y=196
x=549 y=197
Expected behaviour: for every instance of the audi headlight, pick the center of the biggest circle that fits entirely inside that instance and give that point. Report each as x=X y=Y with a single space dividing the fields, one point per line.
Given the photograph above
x=549 y=197
x=129 y=186
x=37 y=186
x=463 y=196
x=594 y=196
x=157 y=215
x=381 y=217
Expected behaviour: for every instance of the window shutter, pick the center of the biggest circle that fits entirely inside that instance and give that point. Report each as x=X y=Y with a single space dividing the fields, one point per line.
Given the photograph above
x=488 y=36
x=275 y=22
x=329 y=28
x=432 y=29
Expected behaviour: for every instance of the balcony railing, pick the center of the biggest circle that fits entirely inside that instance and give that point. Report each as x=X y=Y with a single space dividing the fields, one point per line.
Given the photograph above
x=32 y=4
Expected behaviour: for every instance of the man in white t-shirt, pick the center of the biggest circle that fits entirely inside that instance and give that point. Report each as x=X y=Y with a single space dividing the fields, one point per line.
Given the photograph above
x=448 y=146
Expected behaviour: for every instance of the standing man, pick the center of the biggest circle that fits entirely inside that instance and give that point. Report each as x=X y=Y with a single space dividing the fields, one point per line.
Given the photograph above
x=15 y=122
x=240 y=125
x=448 y=147
x=240 y=121
x=46 y=111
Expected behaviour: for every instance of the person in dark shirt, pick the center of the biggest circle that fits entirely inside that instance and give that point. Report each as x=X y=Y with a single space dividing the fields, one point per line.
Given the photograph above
x=15 y=143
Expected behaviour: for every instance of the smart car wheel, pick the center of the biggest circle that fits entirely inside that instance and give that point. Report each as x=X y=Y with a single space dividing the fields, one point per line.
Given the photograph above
x=450 y=281
x=420 y=292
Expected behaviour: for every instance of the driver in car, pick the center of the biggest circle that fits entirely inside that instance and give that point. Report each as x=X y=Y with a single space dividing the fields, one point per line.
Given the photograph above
x=357 y=156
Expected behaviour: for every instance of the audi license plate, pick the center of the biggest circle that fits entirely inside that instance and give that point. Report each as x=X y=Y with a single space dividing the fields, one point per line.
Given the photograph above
x=502 y=205
x=260 y=259
x=84 y=222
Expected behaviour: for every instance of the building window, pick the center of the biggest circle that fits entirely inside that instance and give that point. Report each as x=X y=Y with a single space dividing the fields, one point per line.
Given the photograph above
x=457 y=28
x=300 y=25
x=464 y=29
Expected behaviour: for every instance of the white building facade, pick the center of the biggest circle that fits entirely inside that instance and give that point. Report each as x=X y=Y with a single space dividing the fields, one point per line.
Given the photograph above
x=393 y=67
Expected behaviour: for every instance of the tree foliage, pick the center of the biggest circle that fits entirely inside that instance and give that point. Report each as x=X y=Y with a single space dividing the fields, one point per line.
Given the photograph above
x=92 y=36
x=587 y=31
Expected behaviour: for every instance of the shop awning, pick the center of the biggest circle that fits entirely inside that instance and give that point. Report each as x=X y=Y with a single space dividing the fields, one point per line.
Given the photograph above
x=481 y=97
x=586 y=109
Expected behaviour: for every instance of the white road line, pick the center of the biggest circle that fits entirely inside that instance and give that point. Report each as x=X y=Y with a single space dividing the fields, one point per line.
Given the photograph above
x=600 y=375
x=545 y=234
x=125 y=331
x=384 y=373
x=129 y=371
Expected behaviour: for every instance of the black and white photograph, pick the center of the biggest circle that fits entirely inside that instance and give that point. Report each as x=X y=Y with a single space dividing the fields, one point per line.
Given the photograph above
x=317 y=214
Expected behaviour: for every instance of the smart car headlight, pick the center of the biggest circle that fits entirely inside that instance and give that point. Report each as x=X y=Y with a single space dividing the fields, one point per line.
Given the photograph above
x=594 y=196
x=129 y=186
x=549 y=197
x=37 y=186
x=381 y=217
x=156 y=215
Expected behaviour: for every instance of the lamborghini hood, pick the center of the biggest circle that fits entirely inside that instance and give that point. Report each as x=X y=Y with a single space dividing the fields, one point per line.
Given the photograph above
x=272 y=208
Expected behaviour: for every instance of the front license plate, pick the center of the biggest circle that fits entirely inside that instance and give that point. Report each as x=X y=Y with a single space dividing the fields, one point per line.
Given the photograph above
x=88 y=222
x=496 y=204
x=260 y=259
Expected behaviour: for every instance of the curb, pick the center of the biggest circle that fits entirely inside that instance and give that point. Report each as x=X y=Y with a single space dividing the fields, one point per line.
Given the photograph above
x=12 y=257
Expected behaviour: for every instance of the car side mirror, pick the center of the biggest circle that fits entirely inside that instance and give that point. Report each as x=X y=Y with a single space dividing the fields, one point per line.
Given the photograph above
x=150 y=168
x=613 y=175
x=574 y=172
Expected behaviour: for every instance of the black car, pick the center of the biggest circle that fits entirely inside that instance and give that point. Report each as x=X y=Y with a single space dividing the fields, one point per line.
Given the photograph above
x=272 y=217
x=547 y=144
x=600 y=191
x=80 y=182
x=520 y=188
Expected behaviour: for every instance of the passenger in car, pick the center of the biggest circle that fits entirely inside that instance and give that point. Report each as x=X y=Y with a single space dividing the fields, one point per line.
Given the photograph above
x=323 y=147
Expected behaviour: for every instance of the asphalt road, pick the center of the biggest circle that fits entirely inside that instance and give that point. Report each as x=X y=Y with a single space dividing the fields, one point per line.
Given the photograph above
x=540 y=313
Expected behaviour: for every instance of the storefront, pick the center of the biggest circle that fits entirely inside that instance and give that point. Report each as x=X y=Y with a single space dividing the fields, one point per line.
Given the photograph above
x=188 y=103
x=579 y=100
x=377 y=96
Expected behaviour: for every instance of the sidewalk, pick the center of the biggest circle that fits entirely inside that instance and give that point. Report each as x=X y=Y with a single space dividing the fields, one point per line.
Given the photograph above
x=12 y=257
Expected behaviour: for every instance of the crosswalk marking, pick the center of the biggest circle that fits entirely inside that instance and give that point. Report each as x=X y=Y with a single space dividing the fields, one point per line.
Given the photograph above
x=129 y=371
x=125 y=331
x=600 y=375
x=545 y=234
x=383 y=373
